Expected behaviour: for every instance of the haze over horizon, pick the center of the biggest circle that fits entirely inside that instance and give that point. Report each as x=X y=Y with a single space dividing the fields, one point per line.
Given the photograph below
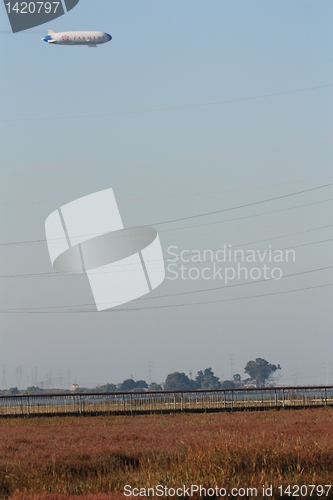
x=212 y=123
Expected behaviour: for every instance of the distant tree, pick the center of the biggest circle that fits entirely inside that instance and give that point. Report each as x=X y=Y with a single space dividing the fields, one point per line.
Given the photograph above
x=207 y=380
x=106 y=388
x=237 y=377
x=141 y=384
x=155 y=387
x=13 y=390
x=179 y=381
x=200 y=378
x=127 y=385
x=33 y=390
x=228 y=384
x=260 y=371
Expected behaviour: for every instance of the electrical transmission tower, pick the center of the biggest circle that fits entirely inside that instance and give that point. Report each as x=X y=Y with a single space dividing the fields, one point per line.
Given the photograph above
x=149 y=367
x=231 y=357
x=329 y=373
x=19 y=373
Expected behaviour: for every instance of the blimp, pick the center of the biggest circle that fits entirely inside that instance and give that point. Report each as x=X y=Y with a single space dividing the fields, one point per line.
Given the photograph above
x=89 y=38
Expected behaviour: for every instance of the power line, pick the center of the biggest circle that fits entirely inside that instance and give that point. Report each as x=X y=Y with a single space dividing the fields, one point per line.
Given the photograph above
x=246 y=205
x=267 y=200
x=233 y=152
x=173 y=108
x=172 y=305
x=247 y=216
x=179 y=293
x=62 y=275
x=212 y=289
x=231 y=299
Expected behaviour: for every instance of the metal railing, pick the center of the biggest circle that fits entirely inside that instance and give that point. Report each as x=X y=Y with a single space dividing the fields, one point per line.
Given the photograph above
x=131 y=403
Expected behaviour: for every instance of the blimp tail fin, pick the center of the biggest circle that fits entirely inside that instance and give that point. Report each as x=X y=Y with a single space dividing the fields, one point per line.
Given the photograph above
x=49 y=32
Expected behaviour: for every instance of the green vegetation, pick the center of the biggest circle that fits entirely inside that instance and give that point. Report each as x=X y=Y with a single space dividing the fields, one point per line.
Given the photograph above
x=259 y=371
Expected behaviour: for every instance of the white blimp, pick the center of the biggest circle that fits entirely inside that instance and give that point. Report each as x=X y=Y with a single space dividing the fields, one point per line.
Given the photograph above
x=89 y=38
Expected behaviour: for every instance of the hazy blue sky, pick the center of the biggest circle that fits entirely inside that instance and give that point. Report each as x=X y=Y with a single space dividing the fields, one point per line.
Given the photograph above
x=193 y=107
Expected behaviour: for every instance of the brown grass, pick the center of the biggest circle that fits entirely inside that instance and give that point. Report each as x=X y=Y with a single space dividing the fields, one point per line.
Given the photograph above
x=94 y=457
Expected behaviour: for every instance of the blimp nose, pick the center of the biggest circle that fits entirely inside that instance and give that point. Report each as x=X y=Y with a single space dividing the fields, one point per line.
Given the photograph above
x=109 y=36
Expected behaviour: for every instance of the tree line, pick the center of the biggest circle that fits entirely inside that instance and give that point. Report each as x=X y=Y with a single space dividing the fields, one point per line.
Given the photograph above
x=260 y=373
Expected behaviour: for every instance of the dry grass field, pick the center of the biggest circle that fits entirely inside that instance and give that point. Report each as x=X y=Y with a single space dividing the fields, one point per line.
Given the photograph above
x=95 y=457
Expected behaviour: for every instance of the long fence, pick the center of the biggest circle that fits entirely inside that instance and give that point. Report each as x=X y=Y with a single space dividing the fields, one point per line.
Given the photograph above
x=132 y=403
